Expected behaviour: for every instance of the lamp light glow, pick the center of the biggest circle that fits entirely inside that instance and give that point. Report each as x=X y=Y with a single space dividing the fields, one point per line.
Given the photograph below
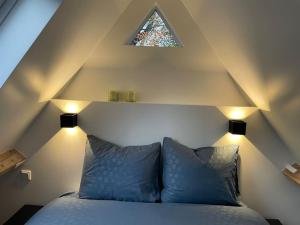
x=71 y=107
x=71 y=131
x=234 y=137
x=237 y=114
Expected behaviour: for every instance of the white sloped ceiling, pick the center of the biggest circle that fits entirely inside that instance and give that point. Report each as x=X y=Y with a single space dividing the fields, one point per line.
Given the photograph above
x=188 y=75
x=255 y=41
x=58 y=53
x=258 y=42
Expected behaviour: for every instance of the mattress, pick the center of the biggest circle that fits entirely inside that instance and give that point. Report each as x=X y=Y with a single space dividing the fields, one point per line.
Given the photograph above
x=70 y=210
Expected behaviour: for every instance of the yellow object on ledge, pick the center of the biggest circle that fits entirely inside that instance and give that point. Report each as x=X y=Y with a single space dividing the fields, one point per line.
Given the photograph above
x=293 y=176
x=10 y=160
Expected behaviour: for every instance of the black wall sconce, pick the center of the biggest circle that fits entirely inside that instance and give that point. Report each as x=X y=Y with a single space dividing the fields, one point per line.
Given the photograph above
x=237 y=127
x=68 y=120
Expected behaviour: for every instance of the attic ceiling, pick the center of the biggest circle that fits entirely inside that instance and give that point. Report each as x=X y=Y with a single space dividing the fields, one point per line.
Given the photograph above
x=114 y=52
x=53 y=59
x=255 y=41
x=258 y=42
x=155 y=73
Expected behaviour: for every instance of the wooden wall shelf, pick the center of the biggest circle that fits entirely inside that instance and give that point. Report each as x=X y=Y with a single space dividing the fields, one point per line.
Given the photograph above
x=9 y=160
x=293 y=176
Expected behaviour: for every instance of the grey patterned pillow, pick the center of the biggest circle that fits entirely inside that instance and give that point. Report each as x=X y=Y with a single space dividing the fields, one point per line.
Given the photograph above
x=203 y=176
x=120 y=173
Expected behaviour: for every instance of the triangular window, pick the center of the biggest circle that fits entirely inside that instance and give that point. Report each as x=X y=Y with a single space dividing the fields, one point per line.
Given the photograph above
x=155 y=32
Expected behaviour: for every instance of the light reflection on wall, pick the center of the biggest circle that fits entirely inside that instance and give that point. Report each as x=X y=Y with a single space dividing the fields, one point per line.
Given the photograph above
x=71 y=131
x=237 y=113
x=70 y=106
x=234 y=138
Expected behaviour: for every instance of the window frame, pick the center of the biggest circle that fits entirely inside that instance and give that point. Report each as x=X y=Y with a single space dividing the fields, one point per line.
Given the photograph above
x=167 y=24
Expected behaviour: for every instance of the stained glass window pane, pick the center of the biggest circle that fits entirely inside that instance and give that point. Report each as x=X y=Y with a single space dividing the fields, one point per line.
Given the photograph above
x=155 y=33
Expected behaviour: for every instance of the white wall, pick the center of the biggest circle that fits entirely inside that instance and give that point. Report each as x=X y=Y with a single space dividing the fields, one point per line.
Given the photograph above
x=258 y=42
x=56 y=155
x=27 y=19
x=56 y=55
x=157 y=82
x=190 y=75
x=55 y=160
x=18 y=96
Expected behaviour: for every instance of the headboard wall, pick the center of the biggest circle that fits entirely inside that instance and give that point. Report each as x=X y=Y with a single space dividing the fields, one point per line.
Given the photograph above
x=146 y=123
x=56 y=155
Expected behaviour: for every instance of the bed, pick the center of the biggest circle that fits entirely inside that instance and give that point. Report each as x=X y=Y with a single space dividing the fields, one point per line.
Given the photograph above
x=71 y=210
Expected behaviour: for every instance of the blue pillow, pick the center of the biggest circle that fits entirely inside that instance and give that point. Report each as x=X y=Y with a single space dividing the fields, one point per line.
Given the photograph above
x=201 y=176
x=129 y=173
